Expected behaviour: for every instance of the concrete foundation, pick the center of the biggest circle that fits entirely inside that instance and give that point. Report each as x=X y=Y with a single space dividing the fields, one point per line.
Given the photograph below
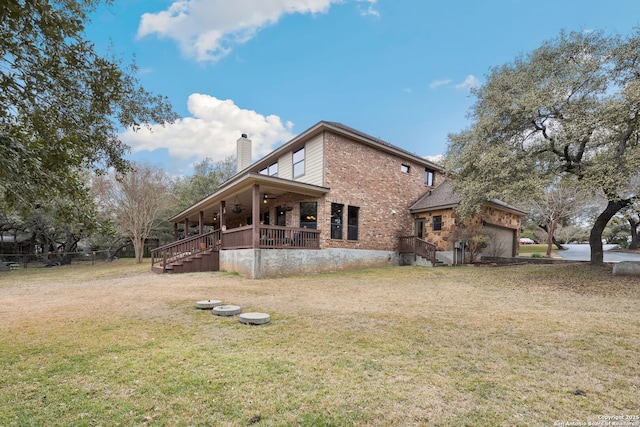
x=268 y=263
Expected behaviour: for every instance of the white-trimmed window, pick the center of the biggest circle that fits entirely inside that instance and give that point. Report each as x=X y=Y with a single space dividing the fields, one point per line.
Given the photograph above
x=428 y=177
x=298 y=163
x=271 y=170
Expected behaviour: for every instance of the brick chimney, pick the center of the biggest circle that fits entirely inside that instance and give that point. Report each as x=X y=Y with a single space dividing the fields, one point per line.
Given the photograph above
x=243 y=153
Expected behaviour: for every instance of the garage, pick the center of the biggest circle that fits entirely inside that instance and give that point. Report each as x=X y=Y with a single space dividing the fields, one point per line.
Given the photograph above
x=501 y=241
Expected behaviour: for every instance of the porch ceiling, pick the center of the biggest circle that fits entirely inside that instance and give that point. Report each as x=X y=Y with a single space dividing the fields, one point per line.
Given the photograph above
x=239 y=191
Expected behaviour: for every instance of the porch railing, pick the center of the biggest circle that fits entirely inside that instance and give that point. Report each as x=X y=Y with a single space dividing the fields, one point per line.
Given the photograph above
x=417 y=246
x=185 y=248
x=238 y=238
x=276 y=237
x=271 y=237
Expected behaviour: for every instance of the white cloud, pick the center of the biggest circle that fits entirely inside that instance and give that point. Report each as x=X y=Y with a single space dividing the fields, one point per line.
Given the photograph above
x=437 y=159
x=471 y=82
x=437 y=83
x=207 y=30
x=370 y=9
x=212 y=131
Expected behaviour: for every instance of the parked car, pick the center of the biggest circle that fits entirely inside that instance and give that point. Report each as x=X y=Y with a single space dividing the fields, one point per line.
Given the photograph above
x=526 y=241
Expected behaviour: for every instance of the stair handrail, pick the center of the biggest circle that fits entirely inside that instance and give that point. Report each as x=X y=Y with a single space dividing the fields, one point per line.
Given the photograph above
x=417 y=246
x=184 y=248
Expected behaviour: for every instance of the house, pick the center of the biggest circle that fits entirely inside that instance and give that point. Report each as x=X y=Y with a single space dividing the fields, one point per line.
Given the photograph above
x=332 y=198
x=437 y=222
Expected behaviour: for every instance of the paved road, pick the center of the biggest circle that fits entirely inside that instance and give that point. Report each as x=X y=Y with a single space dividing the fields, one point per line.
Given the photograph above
x=582 y=253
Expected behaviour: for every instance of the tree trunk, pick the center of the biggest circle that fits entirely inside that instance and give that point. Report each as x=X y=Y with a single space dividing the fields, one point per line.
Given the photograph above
x=595 y=237
x=550 y=238
x=634 y=234
x=111 y=254
x=138 y=248
x=555 y=242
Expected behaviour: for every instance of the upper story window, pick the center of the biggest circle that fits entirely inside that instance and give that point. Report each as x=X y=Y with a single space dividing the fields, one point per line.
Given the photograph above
x=405 y=168
x=271 y=170
x=428 y=177
x=298 y=163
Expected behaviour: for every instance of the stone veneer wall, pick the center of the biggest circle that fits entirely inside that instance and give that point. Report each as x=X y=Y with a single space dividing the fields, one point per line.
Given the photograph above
x=489 y=214
x=362 y=176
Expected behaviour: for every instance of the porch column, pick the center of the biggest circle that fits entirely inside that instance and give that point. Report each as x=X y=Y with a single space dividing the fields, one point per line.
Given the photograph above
x=186 y=227
x=255 y=215
x=201 y=222
x=223 y=215
x=175 y=231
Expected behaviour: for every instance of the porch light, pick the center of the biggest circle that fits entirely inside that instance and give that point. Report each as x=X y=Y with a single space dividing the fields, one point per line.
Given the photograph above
x=266 y=198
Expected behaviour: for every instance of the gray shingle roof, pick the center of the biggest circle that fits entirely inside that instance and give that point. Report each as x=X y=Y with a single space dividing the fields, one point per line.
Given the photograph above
x=443 y=197
x=440 y=197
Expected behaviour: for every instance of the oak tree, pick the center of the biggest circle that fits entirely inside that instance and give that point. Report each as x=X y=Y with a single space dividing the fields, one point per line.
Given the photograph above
x=62 y=104
x=570 y=107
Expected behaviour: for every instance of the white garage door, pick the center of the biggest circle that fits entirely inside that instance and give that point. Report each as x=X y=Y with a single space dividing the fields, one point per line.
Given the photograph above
x=500 y=242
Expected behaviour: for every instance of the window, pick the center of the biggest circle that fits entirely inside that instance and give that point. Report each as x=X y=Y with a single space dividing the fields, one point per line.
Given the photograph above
x=336 y=220
x=437 y=223
x=309 y=215
x=405 y=168
x=428 y=177
x=298 y=163
x=352 y=222
x=272 y=170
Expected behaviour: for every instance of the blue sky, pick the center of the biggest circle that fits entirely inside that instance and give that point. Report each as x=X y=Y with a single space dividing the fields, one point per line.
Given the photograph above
x=399 y=70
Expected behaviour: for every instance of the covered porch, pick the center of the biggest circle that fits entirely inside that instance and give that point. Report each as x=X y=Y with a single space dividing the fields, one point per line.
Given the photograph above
x=253 y=211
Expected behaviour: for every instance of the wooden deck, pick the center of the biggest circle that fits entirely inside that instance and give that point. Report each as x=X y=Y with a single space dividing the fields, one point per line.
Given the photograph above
x=201 y=252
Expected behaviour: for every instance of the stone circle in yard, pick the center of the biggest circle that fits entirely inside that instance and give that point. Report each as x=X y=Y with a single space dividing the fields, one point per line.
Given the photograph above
x=254 y=318
x=208 y=304
x=227 y=310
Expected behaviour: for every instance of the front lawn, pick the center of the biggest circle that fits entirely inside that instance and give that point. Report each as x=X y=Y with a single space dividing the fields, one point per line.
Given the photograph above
x=402 y=346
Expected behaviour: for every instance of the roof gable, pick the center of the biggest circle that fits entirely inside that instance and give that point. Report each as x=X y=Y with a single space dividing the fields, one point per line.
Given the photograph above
x=443 y=197
x=440 y=197
x=349 y=132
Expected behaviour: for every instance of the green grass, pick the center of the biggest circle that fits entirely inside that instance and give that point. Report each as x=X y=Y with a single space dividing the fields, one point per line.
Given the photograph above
x=117 y=345
x=527 y=250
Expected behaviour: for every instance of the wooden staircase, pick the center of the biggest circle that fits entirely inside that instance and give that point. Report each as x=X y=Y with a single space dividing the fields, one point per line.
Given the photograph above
x=419 y=247
x=193 y=254
x=204 y=261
